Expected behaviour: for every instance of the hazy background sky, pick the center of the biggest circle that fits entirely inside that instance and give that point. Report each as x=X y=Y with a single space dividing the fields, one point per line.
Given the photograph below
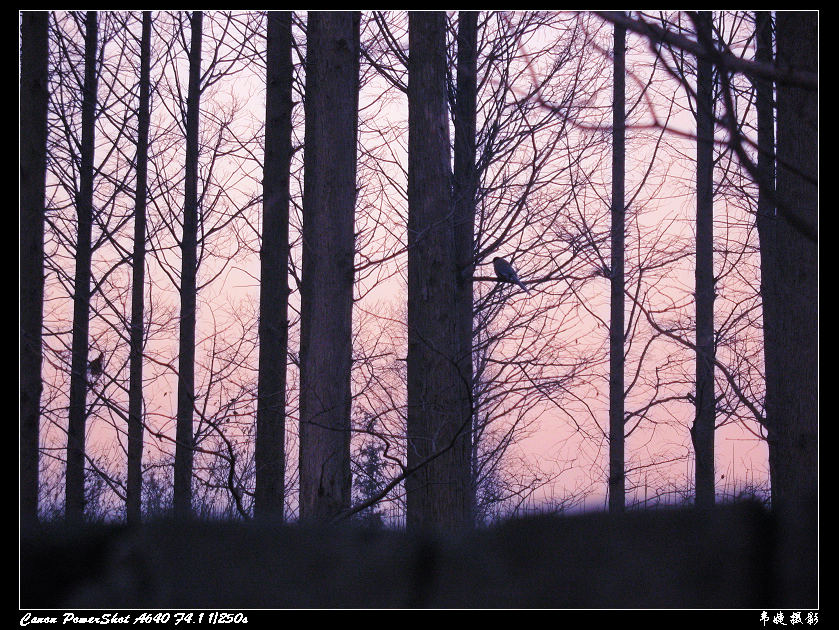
x=548 y=397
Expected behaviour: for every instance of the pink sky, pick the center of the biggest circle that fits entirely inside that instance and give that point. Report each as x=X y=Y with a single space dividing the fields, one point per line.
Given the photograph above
x=554 y=446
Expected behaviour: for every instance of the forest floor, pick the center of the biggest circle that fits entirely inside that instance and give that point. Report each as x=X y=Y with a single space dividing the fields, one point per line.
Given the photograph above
x=734 y=556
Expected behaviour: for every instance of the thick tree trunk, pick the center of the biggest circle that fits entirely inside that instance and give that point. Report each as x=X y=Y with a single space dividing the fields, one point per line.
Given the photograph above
x=332 y=75
x=74 y=488
x=617 y=484
x=438 y=490
x=465 y=191
x=269 y=453
x=184 y=449
x=134 y=486
x=33 y=167
x=790 y=274
x=702 y=432
x=789 y=284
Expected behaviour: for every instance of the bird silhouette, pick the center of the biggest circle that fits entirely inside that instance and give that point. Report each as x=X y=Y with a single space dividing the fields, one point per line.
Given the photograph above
x=95 y=366
x=504 y=271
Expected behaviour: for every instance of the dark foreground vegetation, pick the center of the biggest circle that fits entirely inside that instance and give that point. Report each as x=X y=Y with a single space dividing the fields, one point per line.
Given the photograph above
x=733 y=556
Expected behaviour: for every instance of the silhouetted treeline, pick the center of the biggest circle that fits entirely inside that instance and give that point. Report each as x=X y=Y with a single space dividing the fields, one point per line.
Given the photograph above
x=397 y=155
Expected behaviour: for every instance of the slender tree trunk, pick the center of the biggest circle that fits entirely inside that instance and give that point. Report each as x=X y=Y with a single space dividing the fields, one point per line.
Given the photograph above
x=766 y=215
x=617 y=486
x=766 y=219
x=765 y=108
x=134 y=484
x=790 y=275
x=465 y=191
x=438 y=491
x=74 y=488
x=702 y=432
x=332 y=75
x=33 y=168
x=184 y=449
x=273 y=301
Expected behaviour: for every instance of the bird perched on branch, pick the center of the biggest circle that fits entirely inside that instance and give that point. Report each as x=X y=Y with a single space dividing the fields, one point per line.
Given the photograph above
x=95 y=366
x=504 y=272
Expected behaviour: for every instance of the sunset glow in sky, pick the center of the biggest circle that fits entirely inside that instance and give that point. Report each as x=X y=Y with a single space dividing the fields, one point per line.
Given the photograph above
x=542 y=359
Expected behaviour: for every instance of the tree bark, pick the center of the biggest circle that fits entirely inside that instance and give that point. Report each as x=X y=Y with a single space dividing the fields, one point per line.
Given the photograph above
x=74 y=489
x=438 y=492
x=790 y=274
x=134 y=485
x=332 y=84
x=617 y=484
x=765 y=108
x=702 y=432
x=269 y=453
x=789 y=284
x=766 y=219
x=465 y=191
x=34 y=100
x=185 y=439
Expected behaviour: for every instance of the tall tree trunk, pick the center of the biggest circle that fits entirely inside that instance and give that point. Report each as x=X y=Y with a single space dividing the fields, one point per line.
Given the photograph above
x=465 y=191
x=702 y=432
x=332 y=75
x=74 y=488
x=33 y=169
x=273 y=299
x=790 y=275
x=134 y=486
x=184 y=449
x=438 y=490
x=766 y=219
x=789 y=283
x=617 y=485
x=765 y=108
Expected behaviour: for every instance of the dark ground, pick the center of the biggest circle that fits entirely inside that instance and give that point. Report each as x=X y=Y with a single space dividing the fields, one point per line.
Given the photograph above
x=736 y=556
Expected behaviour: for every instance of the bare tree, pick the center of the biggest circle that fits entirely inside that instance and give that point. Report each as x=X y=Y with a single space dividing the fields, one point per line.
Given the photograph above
x=791 y=226
x=764 y=104
x=329 y=197
x=227 y=188
x=617 y=489
x=75 y=474
x=506 y=124
x=438 y=490
x=465 y=184
x=109 y=284
x=532 y=112
x=269 y=455
x=185 y=439
x=33 y=168
x=134 y=482
x=702 y=431
x=790 y=278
